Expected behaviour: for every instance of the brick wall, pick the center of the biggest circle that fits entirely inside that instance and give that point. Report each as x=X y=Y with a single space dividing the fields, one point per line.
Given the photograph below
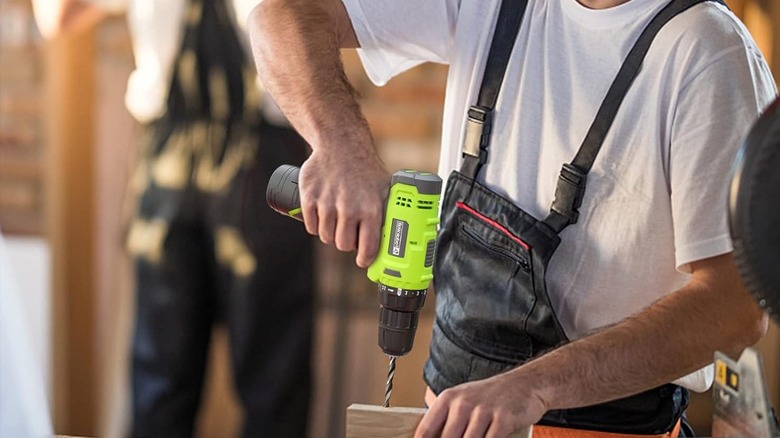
x=21 y=120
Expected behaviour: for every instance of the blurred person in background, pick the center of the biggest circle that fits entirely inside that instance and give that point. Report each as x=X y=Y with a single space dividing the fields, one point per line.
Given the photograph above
x=206 y=247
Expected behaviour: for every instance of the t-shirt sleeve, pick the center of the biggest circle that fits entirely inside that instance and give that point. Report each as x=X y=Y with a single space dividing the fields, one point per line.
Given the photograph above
x=716 y=108
x=396 y=35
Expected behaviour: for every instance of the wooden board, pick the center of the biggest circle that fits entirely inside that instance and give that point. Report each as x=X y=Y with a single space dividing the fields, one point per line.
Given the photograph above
x=378 y=422
x=371 y=421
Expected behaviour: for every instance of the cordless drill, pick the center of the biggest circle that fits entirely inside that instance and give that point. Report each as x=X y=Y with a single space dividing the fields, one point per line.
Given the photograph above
x=403 y=268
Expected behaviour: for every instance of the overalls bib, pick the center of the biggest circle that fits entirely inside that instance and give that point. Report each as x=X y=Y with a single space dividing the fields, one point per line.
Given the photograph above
x=493 y=311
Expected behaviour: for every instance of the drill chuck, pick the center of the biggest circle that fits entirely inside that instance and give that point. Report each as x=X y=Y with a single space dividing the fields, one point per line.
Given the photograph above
x=399 y=312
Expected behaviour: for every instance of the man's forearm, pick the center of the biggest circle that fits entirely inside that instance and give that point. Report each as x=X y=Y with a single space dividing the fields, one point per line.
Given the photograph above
x=296 y=46
x=674 y=337
x=343 y=184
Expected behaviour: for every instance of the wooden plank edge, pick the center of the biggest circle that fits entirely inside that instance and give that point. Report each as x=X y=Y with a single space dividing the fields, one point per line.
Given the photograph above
x=395 y=422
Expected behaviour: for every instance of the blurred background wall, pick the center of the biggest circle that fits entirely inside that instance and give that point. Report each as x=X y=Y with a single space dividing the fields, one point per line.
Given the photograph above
x=66 y=144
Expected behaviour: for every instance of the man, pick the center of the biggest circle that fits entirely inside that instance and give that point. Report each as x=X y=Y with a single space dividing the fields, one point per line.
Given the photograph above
x=643 y=287
x=207 y=248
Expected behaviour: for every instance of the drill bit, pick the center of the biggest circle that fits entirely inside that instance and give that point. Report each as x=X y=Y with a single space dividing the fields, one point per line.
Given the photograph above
x=389 y=384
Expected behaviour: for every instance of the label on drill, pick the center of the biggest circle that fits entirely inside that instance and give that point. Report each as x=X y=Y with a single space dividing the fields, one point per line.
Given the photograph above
x=400 y=230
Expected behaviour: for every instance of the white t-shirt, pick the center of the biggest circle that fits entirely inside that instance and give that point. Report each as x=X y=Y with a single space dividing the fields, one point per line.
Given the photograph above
x=156 y=31
x=656 y=196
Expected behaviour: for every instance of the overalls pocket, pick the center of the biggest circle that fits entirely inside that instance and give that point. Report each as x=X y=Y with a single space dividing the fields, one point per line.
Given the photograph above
x=491 y=298
x=495 y=303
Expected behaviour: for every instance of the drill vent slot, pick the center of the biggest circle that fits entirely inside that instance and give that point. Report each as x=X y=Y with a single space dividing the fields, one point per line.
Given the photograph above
x=425 y=205
x=403 y=202
x=430 y=250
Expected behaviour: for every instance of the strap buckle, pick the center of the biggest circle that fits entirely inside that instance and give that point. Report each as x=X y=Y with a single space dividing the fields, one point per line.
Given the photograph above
x=478 y=127
x=569 y=193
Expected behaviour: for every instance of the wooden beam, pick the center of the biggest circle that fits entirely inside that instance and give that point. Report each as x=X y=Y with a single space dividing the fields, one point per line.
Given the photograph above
x=378 y=422
x=762 y=18
x=70 y=229
x=758 y=20
x=774 y=13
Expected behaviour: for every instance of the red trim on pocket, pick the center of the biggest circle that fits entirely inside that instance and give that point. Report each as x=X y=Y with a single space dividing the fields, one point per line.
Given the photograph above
x=493 y=223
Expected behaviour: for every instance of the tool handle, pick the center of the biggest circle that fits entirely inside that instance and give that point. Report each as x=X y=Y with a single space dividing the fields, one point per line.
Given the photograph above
x=282 y=192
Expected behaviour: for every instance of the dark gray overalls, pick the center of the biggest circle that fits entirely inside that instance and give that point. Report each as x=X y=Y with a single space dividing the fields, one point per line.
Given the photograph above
x=207 y=249
x=492 y=307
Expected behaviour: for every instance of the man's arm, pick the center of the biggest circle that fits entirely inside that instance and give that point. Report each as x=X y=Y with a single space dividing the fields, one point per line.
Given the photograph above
x=343 y=183
x=673 y=337
x=57 y=17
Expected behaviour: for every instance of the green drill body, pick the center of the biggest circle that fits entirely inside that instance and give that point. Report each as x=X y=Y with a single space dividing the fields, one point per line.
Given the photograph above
x=405 y=258
x=403 y=267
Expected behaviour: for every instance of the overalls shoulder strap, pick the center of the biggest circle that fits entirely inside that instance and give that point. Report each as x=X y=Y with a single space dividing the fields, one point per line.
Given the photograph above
x=570 y=188
x=212 y=78
x=475 y=147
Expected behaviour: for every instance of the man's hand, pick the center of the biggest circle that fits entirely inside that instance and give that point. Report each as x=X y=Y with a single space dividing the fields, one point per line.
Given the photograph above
x=492 y=408
x=343 y=199
x=673 y=337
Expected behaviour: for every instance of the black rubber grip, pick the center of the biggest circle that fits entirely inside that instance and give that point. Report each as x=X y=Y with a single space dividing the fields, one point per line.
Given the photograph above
x=282 y=191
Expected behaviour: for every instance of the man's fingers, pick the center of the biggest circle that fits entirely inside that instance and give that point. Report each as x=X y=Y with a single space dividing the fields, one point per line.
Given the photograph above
x=457 y=420
x=432 y=421
x=370 y=230
x=327 y=225
x=478 y=424
x=498 y=428
x=310 y=217
x=346 y=234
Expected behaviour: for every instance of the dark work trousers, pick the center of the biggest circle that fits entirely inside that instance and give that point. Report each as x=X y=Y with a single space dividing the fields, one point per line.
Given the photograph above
x=208 y=249
x=201 y=257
